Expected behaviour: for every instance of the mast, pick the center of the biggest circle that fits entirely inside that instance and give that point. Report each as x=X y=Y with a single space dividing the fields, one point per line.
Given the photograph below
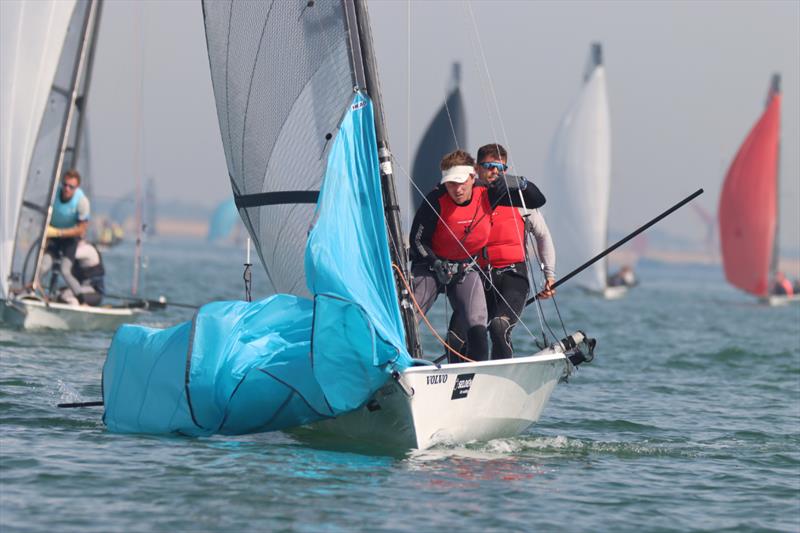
x=366 y=65
x=80 y=102
x=88 y=35
x=774 y=90
x=138 y=166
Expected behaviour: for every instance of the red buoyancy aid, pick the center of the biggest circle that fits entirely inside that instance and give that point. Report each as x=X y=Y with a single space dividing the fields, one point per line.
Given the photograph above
x=787 y=287
x=506 y=244
x=463 y=230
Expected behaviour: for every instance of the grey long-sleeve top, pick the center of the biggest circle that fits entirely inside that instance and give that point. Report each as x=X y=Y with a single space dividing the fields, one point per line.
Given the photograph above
x=546 y=251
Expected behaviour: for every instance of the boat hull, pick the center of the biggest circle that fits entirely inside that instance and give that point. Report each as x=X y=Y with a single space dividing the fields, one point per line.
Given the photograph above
x=608 y=293
x=777 y=300
x=36 y=314
x=454 y=403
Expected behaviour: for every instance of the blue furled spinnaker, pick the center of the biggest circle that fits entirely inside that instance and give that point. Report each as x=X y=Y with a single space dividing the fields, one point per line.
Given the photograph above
x=242 y=367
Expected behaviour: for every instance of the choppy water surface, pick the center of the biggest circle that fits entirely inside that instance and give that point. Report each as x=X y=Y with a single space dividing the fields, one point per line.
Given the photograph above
x=689 y=419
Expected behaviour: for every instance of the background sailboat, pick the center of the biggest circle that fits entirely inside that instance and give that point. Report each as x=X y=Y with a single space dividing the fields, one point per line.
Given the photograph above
x=48 y=111
x=748 y=205
x=578 y=178
x=446 y=132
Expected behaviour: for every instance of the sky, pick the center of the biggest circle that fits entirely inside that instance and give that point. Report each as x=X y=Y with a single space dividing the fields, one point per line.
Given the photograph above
x=686 y=82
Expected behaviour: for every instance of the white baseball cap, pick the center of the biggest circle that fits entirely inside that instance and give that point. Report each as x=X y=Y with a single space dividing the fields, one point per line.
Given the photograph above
x=457 y=174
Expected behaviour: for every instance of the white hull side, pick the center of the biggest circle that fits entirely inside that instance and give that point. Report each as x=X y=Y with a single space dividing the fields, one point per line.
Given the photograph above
x=776 y=300
x=608 y=293
x=615 y=293
x=35 y=314
x=443 y=405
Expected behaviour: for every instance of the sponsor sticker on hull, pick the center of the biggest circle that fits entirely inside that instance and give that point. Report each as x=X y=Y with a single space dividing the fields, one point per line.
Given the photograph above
x=462 y=386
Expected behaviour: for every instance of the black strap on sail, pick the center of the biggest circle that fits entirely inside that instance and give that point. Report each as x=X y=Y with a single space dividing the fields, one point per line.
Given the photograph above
x=275 y=198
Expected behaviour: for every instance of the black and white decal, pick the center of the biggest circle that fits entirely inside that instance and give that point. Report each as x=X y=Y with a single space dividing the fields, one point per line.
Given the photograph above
x=462 y=386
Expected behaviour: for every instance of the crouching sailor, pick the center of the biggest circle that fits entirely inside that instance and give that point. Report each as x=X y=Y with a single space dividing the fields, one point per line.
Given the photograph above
x=448 y=233
x=68 y=226
x=89 y=271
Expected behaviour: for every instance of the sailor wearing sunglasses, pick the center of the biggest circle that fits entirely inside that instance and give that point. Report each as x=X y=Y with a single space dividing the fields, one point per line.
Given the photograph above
x=68 y=225
x=448 y=234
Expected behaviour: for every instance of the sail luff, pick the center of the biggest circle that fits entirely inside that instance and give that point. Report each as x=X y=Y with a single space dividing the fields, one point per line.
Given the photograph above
x=578 y=171
x=596 y=60
x=32 y=37
x=79 y=71
x=774 y=89
x=392 y=209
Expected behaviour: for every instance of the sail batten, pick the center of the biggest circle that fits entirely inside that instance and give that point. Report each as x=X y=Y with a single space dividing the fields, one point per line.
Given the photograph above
x=748 y=204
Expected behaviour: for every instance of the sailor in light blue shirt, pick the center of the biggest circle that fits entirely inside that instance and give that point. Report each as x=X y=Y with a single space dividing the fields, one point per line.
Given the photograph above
x=68 y=225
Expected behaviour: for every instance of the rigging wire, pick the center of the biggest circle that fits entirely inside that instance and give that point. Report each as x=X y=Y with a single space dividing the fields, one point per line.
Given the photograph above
x=485 y=81
x=491 y=94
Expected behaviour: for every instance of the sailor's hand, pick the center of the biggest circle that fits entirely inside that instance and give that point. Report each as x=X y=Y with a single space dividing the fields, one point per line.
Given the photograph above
x=53 y=232
x=442 y=271
x=548 y=291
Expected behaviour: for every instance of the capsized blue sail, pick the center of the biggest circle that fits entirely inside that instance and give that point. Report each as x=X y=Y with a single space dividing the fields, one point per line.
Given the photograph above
x=241 y=367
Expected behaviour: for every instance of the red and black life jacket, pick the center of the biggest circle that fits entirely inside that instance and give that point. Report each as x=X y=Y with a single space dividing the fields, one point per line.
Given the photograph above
x=469 y=227
x=506 y=245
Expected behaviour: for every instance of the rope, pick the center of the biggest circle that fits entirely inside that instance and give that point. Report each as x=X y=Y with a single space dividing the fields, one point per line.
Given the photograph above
x=422 y=314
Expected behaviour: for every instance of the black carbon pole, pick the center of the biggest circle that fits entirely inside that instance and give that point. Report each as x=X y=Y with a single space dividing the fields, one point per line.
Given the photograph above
x=619 y=243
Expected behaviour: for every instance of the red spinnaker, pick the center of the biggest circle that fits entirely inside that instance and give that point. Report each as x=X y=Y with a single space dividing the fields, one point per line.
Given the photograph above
x=748 y=205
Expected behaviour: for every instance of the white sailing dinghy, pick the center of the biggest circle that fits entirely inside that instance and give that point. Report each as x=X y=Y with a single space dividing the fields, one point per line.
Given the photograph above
x=578 y=175
x=335 y=349
x=748 y=207
x=43 y=110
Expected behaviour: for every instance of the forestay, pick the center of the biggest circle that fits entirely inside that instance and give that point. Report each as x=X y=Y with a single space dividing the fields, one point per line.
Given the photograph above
x=578 y=173
x=32 y=35
x=242 y=367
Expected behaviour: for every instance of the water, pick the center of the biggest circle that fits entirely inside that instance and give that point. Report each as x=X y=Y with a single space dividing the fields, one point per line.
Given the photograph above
x=689 y=419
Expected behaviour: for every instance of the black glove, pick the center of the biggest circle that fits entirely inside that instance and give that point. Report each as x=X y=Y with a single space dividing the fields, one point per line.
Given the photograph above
x=443 y=271
x=507 y=182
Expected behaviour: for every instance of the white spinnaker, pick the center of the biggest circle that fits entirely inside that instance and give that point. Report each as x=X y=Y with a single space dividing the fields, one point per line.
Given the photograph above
x=30 y=46
x=578 y=178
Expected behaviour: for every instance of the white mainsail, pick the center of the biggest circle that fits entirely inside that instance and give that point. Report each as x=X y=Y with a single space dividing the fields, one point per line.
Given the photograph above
x=30 y=47
x=578 y=178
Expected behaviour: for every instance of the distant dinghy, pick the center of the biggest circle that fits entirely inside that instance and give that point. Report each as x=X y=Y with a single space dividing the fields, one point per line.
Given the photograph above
x=578 y=180
x=44 y=114
x=748 y=207
x=446 y=132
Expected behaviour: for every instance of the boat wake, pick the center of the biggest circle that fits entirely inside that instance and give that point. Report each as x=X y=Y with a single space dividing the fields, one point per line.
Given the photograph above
x=546 y=448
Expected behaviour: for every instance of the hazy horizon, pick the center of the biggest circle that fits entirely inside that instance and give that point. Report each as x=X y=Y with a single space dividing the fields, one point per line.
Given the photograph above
x=687 y=81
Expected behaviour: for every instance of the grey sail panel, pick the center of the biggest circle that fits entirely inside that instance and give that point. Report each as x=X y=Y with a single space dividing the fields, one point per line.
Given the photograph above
x=282 y=83
x=446 y=132
x=41 y=176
